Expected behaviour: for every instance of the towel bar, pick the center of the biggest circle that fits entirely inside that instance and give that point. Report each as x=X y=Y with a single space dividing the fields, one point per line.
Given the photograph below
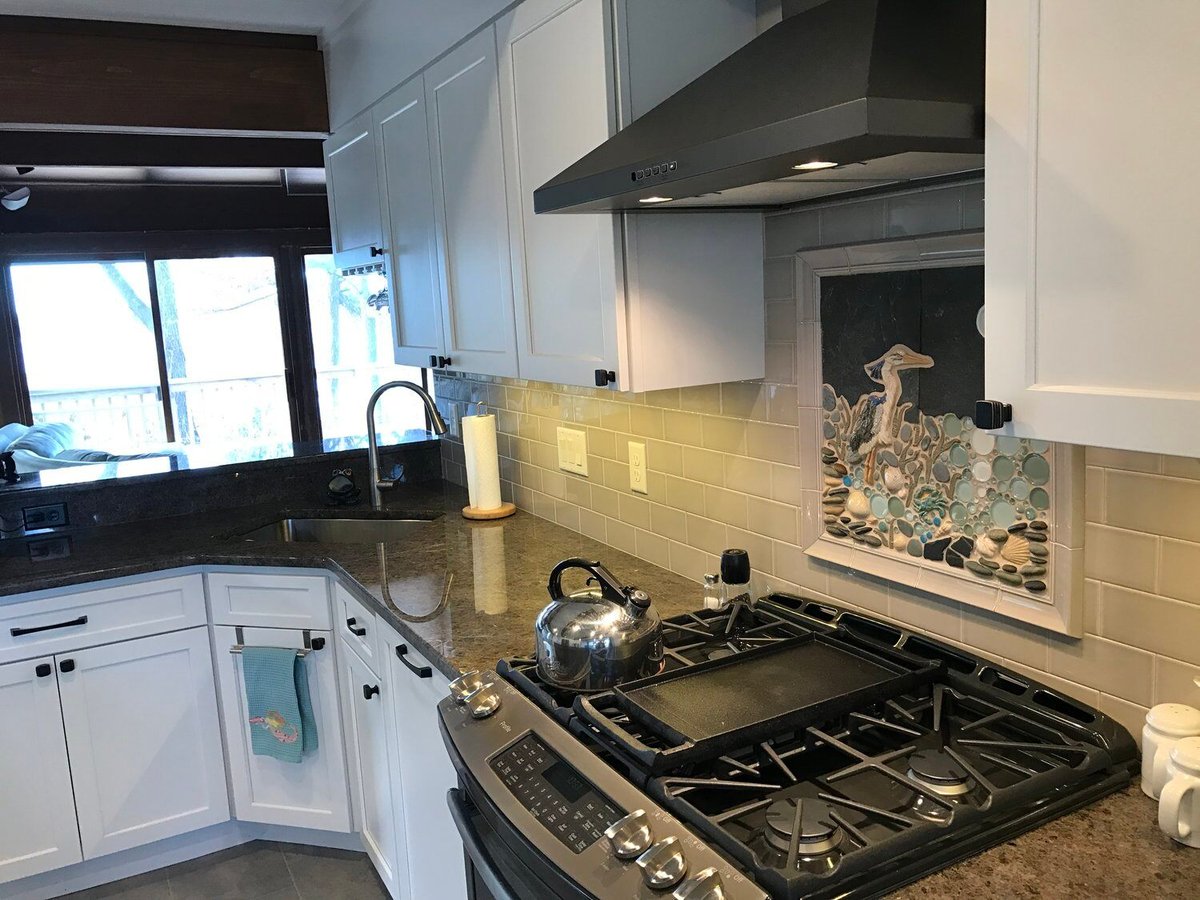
x=310 y=643
x=238 y=648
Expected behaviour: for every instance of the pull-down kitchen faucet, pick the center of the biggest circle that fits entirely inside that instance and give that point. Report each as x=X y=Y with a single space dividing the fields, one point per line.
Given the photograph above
x=439 y=427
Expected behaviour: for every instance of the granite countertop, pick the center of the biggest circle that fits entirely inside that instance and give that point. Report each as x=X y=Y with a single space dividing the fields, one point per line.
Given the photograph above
x=466 y=593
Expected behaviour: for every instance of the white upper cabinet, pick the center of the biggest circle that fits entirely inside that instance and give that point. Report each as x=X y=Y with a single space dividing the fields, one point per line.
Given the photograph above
x=463 y=105
x=37 y=828
x=558 y=92
x=402 y=134
x=353 y=186
x=663 y=300
x=1090 y=221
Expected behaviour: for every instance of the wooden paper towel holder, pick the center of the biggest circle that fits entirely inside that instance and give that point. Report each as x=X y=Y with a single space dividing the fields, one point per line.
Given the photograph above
x=503 y=511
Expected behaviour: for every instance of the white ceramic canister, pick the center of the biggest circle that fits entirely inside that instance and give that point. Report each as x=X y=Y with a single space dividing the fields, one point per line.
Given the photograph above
x=1166 y=725
x=1179 y=806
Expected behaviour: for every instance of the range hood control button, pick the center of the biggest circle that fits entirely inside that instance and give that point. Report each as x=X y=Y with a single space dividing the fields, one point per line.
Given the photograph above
x=663 y=864
x=705 y=885
x=631 y=835
x=483 y=702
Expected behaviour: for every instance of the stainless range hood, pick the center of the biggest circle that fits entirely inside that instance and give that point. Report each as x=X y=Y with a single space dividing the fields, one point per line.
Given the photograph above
x=842 y=96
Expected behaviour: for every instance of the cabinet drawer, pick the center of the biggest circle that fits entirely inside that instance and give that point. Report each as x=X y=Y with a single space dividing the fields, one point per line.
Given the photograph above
x=268 y=600
x=359 y=627
x=66 y=621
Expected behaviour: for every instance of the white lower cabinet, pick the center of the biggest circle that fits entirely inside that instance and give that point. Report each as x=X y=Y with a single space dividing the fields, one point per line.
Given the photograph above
x=308 y=794
x=370 y=737
x=37 y=822
x=109 y=747
x=435 y=853
x=144 y=740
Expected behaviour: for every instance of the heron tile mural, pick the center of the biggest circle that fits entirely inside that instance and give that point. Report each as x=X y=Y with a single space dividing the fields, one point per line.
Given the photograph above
x=904 y=469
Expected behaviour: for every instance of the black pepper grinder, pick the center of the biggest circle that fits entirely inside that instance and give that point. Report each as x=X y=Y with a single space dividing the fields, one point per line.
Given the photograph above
x=735 y=572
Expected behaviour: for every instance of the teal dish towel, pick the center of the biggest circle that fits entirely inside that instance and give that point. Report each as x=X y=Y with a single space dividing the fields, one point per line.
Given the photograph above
x=278 y=703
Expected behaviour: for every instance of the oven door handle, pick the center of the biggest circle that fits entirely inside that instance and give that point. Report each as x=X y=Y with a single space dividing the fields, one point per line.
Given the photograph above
x=474 y=846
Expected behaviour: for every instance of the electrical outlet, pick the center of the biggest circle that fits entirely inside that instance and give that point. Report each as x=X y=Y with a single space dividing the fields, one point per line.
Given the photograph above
x=572 y=450
x=52 y=515
x=637 y=468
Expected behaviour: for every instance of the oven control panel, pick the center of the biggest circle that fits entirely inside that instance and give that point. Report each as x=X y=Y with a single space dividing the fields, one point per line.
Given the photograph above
x=555 y=794
x=610 y=837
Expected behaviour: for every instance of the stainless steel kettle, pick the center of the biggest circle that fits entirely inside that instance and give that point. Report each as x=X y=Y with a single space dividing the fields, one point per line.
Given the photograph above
x=597 y=638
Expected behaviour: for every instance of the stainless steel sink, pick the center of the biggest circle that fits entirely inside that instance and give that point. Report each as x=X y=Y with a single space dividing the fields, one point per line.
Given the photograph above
x=338 y=531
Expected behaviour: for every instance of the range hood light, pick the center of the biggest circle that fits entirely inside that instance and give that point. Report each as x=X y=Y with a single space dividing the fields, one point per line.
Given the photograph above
x=655 y=199
x=815 y=165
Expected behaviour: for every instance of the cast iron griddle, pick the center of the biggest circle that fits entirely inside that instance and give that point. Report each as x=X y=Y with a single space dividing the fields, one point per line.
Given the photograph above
x=753 y=695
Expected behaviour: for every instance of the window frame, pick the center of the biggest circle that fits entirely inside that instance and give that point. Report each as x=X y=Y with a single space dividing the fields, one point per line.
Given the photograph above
x=287 y=247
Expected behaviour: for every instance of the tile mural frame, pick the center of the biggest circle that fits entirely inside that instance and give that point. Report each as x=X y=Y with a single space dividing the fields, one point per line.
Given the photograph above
x=1060 y=607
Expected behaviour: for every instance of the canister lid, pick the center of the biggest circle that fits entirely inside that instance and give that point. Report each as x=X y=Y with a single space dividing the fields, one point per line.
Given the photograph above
x=1186 y=754
x=1174 y=719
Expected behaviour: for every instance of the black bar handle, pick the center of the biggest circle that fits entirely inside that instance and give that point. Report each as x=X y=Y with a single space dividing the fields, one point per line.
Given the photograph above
x=419 y=671
x=43 y=670
x=360 y=630
x=370 y=690
x=18 y=632
x=67 y=665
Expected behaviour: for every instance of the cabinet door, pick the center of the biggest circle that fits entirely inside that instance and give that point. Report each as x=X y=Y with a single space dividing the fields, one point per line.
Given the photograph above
x=365 y=700
x=352 y=182
x=693 y=289
x=37 y=827
x=435 y=849
x=403 y=140
x=144 y=742
x=557 y=93
x=309 y=794
x=463 y=102
x=1091 y=259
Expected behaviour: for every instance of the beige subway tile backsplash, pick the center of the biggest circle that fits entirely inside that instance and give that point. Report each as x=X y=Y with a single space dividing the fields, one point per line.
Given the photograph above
x=736 y=465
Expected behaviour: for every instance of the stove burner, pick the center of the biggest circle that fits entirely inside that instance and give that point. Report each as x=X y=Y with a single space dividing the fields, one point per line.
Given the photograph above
x=936 y=771
x=818 y=832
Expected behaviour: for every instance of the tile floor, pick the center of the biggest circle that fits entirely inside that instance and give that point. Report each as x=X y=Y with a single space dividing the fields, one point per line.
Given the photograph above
x=255 y=871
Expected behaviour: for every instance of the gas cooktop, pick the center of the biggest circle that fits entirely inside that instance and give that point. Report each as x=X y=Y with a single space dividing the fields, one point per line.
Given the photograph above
x=948 y=756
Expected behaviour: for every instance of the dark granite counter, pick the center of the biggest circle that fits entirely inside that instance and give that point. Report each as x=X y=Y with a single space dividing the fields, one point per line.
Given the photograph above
x=466 y=593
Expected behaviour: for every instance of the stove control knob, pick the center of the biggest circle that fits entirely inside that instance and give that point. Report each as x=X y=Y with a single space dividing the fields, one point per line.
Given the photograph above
x=704 y=885
x=663 y=864
x=631 y=835
x=483 y=702
x=465 y=685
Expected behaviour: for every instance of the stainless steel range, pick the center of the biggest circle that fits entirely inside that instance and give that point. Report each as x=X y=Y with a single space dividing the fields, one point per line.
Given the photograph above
x=792 y=749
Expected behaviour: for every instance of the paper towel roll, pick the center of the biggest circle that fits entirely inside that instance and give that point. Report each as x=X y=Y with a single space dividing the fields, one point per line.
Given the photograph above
x=483 y=463
x=489 y=569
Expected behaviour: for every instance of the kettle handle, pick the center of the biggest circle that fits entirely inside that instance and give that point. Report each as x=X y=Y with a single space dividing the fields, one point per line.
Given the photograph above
x=609 y=586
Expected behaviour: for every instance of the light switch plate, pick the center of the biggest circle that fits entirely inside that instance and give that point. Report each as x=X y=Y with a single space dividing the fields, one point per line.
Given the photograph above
x=572 y=450
x=637 y=468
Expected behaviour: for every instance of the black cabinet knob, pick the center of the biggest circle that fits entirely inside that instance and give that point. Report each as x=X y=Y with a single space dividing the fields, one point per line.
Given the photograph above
x=318 y=643
x=605 y=377
x=444 y=361
x=44 y=670
x=67 y=665
x=351 y=624
x=377 y=251
x=433 y=363
x=370 y=690
x=992 y=414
